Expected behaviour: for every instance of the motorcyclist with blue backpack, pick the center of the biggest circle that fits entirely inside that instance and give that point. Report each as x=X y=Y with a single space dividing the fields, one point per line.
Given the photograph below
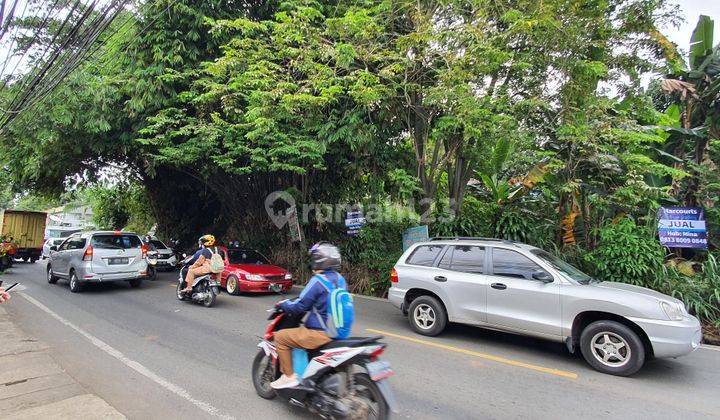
x=327 y=307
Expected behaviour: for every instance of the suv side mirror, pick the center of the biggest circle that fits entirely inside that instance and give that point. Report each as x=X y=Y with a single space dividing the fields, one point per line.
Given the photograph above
x=543 y=276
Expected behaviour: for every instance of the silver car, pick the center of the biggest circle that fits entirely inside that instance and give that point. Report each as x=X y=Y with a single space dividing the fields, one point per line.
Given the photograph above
x=96 y=257
x=165 y=256
x=51 y=242
x=514 y=287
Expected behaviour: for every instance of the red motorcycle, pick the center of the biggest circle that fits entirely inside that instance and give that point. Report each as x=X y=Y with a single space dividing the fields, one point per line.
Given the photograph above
x=342 y=380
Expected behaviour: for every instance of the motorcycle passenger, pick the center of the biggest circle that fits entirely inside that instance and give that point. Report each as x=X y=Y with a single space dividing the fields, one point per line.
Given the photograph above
x=199 y=264
x=325 y=261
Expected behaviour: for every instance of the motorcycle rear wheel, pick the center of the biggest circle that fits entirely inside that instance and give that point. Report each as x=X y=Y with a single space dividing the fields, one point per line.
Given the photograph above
x=367 y=390
x=209 y=296
x=263 y=373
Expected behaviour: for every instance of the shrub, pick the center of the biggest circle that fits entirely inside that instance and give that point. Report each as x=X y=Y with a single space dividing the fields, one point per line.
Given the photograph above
x=476 y=218
x=700 y=293
x=371 y=255
x=626 y=253
x=368 y=257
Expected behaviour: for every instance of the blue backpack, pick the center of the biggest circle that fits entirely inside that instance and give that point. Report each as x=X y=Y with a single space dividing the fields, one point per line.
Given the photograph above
x=340 y=310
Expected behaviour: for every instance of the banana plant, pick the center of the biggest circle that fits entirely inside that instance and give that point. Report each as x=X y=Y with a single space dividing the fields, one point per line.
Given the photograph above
x=696 y=91
x=491 y=173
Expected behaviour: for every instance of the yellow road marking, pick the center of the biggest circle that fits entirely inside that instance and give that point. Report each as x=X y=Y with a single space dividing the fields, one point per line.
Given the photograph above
x=498 y=359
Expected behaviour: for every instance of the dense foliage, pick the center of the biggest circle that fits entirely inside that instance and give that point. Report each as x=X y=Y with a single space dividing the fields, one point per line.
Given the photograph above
x=520 y=119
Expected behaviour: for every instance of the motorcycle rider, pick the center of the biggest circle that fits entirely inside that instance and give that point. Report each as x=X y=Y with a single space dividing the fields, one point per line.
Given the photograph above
x=199 y=264
x=325 y=260
x=150 y=245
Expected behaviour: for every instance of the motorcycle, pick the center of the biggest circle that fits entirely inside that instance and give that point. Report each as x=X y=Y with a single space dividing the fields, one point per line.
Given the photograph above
x=343 y=379
x=174 y=245
x=204 y=291
x=152 y=258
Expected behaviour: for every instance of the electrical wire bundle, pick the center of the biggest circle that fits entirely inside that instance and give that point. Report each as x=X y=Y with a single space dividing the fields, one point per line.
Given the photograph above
x=74 y=42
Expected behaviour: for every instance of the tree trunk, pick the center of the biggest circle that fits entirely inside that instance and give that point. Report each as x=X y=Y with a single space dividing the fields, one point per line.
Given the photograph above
x=418 y=121
x=459 y=173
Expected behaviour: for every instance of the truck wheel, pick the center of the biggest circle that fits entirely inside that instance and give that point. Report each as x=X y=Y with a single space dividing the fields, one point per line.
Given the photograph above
x=33 y=260
x=613 y=348
x=75 y=285
x=51 y=278
x=427 y=316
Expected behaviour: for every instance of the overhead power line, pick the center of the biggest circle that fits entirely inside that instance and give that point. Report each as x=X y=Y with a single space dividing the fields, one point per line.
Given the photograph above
x=8 y=19
x=50 y=15
x=21 y=98
x=74 y=62
x=68 y=53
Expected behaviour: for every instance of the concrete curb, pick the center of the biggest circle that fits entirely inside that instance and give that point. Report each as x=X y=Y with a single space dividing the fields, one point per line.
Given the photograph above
x=33 y=385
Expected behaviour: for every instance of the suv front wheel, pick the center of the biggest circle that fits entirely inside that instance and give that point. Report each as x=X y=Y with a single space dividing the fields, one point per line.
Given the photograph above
x=613 y=348
x=427 y=316
x=51 y=277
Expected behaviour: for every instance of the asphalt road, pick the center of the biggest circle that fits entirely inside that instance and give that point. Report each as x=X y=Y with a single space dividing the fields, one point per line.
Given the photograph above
x=152 y=356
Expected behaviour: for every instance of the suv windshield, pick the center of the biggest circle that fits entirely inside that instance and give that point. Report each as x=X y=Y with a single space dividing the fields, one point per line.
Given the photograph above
x=563 y=267
x=246 y=256
x=158 y=245
x=115 y=241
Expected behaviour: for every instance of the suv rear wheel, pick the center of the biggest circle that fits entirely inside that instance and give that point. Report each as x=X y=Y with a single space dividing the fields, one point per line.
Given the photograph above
x=427 y=316
x=613 y=348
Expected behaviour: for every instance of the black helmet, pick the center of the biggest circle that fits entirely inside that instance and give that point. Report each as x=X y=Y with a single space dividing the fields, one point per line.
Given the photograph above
x=325 y=256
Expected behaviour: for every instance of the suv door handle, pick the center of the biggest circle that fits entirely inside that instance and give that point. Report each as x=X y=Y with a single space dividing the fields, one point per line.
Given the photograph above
x=498 y=286
x=440 y=278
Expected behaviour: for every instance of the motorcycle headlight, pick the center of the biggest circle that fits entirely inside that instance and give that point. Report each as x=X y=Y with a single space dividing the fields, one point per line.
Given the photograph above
x=254 y=277
x=673 y=311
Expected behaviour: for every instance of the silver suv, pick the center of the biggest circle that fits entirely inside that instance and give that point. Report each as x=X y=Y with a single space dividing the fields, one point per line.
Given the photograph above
x=518 y=288
x=95 y=257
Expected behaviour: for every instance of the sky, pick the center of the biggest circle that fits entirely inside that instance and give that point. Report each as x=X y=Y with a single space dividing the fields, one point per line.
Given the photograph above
x=691 y=11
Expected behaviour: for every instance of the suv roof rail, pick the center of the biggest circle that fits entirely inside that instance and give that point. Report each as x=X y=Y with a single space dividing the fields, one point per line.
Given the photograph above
x=471 y=238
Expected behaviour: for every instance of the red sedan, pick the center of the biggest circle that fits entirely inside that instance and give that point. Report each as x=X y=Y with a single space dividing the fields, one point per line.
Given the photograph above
x=248 y=271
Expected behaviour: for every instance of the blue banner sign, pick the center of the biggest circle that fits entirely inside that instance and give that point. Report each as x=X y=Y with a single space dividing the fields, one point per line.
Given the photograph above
x=413 y=235
x=682 y=227
x=354 y=221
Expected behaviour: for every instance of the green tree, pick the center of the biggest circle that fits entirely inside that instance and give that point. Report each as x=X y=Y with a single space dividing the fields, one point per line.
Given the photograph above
x=696 y=92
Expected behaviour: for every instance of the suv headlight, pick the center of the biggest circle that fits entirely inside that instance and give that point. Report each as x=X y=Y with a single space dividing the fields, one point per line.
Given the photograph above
x=673 y=311
x=254 y=277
